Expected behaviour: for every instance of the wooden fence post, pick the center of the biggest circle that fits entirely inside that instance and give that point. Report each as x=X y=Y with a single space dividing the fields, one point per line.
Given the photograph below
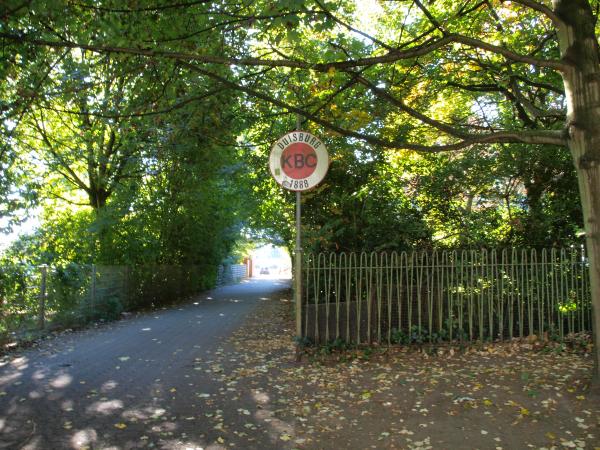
x=42 y=298
x=93 y=290
x=126 y=288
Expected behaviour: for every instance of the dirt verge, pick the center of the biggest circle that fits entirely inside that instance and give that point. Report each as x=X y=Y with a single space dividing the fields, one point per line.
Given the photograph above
x=495 y=397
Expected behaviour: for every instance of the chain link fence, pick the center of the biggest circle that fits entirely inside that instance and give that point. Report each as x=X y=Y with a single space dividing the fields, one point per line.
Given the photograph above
x=34 y=298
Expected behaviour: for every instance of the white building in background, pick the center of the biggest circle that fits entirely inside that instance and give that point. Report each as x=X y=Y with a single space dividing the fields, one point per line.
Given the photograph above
x=271 y=261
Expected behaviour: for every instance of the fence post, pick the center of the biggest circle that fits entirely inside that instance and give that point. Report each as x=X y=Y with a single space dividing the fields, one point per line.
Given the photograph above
x=298 y=257
x=93 y=290
x=126 y=288
x=42 y=303
x=298 y=267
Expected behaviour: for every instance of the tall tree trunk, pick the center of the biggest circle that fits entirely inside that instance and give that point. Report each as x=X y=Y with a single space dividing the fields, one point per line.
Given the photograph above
x=535 y=232
x=579 y=48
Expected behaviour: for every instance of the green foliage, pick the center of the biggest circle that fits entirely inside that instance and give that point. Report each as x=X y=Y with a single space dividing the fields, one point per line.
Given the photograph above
x=302 y=342
x=132 y=162
x=149 y=159
x=15 y=285
x=109 y=309
x=515 y=196
x=421 y=335
x=361 y=206
x=337 y=345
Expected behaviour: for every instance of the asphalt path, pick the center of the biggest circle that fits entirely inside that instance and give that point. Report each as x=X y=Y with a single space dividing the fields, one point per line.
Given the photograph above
x=127 y=384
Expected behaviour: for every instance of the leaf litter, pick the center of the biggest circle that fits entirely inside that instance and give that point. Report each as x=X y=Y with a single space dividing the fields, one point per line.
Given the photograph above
x=498 y=396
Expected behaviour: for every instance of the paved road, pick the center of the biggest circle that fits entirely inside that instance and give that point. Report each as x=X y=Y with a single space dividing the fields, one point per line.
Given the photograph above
x=102 y=388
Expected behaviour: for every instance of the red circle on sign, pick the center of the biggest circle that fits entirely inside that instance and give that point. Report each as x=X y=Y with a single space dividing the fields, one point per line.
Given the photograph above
x=299 y=161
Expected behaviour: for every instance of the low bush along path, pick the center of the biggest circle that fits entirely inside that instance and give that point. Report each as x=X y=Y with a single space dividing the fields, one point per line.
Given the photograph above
x=221 y=373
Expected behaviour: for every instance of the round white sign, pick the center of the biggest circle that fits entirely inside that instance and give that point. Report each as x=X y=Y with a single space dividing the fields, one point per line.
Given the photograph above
x=298 y=161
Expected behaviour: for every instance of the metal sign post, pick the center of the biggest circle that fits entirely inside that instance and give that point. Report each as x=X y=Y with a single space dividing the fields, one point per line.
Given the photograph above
x=298 y=266
x=298 y=253
x=298 y=162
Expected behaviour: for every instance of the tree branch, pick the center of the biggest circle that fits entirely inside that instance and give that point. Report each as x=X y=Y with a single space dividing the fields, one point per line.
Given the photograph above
x=338 y=91
x=31 y=99
x=390 y=57
x=476 y=87
x=514 y=96
x=72 y=177
x=429 y=16
x=539 y=8
x=147 y=9
x=534 y=110
x=381 y=93
x=237 y=20
x=527 y=137
x=351 y=28
x=540 y=85
x=171 y=108
x=463 y=12
x=508 y=54
x=60 y=197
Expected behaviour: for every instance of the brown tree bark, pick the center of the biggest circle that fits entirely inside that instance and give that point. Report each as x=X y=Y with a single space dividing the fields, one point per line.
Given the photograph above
x=579 y=50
